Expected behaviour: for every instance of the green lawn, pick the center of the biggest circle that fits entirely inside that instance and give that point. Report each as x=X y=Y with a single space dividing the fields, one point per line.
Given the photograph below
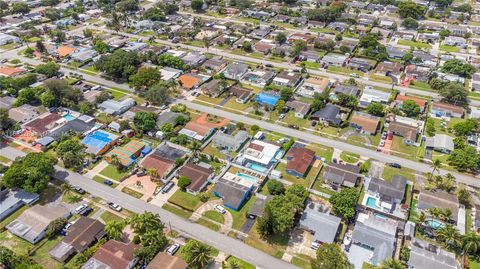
x=100 y=179
x=177 y=211
x=112 y=172
x=380 y=78
x=207 y=223
x=239 y=217
x=185 y=200
x=42 y=257
x=4 y=160
x=244 y=264
x=420 y=86
x=389 y=172
x=116 y=95
x=312 y=65
x=274 y=245
x=474 y=262
x=15 y=243
x=449 y=48
x=401 y=149
x=344 y=71
x=214 y=215
x=12 y=217
x=132 y=192
x=414 y=44
x=468 y=219
x=321 y=151
x=109 y=216
x=349 y=157
x=305 y=181
x=196 y=43
x=303 y=261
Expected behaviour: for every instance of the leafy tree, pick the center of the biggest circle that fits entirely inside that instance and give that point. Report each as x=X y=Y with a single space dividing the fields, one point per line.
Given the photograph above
x=71 y=152
x=55 y=227
x=152 y=242
x=88 y=33
x=466 y=159
x=119 y=64
x=330 y=256
x=183 y=182
x=114 y=229
x=464 y=197
x=410 y=23
x=53 y=14
x=456 y=66
x=409 y=9
x=145 y=77
x=158 y=94
x=171 y=61
x=391 y=264
x=10 y=259
x=410 y=108
x=281 y=38
x=404 y=254
x=344 y=202
x=168 y=8
x=197 y=254
x=196 y=5
x=49 y=69
x=347 y=100
x=467 y=127
x=181 y=120
x=63 y=94
x=100 y=46
x=375 y=109
x=454 y=93
x=430 y=127
x=275 y=187
x=40 y=46
x=326 y=14
x=143 y=223
x=255 y=128
x=145 y=121
x=86 y=108
x=298 y=46
x=28 y=96
x=128 y=6
x=167 y=128
x=233 y=264
x=30 y=173
x=154 y=14
x=50 y=2
x=443 y=3
x=444 y=33
x=326 y=46
x=320 y=100
x=449 y=235
x=471 y=243
x=247 y=46
x=240 y=125
x=20 y=8
x=286 y=94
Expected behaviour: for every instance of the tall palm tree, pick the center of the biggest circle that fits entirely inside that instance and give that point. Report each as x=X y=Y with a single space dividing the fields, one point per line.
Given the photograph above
x=436 y=164
x=196 y=146
x=434 y=213
x=114 y=229
x=421 y=218
x=152 y=172
x=145 y=222
x=449 y=235
x=66 y=188
x=391 y=264
x=200 y=255
x=471 y=243
x=445 y=214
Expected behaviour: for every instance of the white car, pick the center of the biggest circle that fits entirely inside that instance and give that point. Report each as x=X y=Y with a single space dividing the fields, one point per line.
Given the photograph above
x=315 y=245
x=220 y=209
x=115 y=207
x=347 y=240
x=173 y=248
x=80 y=208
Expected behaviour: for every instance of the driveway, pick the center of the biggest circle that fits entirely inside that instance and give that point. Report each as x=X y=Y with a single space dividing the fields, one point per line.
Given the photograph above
x=300 y=242
x=161 y=198
x=210 y=206
x=143 y=185
x=376 y=169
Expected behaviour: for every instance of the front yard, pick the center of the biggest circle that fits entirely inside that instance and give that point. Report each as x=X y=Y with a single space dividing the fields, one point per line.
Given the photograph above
x=112 y=172
x=185 y=200
x=414 y=44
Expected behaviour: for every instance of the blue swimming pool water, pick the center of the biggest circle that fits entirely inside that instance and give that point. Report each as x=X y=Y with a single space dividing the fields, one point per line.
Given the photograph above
x=258 y=167
x=69 y=117
x=267 y=99
x=247 y=177
x=372 y=202
x=434 y=224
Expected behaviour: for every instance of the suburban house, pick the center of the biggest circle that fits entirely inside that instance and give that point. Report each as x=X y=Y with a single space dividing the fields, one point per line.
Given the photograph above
x=242 y=94
x=11 y=200
x=309 y=56
x=259 y=155
x=194 y=59
x=43 y=123
x=163 y=158
x=321 y=224
x=6 y=39
x=438 y=198
x=396 y=53
x=165 y=261
x=337 y=60
x=99 y=142
x=440 y=142
x=424 y=255
x=364 y=123
x=259 y=77
x=267 y=99
x=446 y=110
x=169 y=73
x=311 y=86
x=422 y=103
x=329 y=115
x=128 y=153
x=192 y=81
x=407 y=131
x=299 y=160
x=301 y=109
x=418 y=73
x=23 y=113
x=386 y=196
x=33 y=222
x=258 y=207
x=197 y=130
x=114 y=107
x=168 y=117
x=113 y=254
x=235 y=71
x=80 y=236
x=234 y=190
x=287 y=79
x=215 y=64
x=373 y=240
x=6 y=71
x=341 y=174
x=230 y=142
x=361 y=64
x=370 y=95
x=346 y=89
x=198 y=175
x=214 y=88
x=389 y=68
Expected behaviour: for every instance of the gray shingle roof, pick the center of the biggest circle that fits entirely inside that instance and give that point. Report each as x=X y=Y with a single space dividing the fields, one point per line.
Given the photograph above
x=324 y=226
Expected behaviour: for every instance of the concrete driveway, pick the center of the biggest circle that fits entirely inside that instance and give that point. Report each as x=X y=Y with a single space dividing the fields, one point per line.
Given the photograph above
x=376 y=170
x=210 y=206
x=161 y=198
x=146 y=186
x=300 y=242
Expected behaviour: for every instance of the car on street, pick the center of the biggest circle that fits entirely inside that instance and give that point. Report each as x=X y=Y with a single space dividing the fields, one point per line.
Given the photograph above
x=220 y=209
x=86 y=211
x=108 y=182
x=282 y=116
x=171 y=250
x=293 y=126
x=114 y=206
x=395 y=165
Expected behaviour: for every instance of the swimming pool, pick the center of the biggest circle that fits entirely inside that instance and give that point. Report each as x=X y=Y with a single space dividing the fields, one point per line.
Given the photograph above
x=434 y=224
x=372 y=202
x=257 y=167
x=247 y=178
x=69 y=117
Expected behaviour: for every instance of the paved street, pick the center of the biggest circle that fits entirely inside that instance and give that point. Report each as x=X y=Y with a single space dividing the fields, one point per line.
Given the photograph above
x=221 y=242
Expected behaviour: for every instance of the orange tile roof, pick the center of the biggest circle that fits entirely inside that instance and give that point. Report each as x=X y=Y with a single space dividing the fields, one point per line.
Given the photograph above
x=200 y=129
x=65 y=51
x=188 y=81
x=419 y=101
x=368 y=123
x=10 y=71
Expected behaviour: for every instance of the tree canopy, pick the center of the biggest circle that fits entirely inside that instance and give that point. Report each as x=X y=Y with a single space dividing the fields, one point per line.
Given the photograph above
x=409 y=9
x=344 y=202
x=331 y=256
x=49 y=69
x=145 y=121
x=457 y=67
x=145 y=77
x=119 y=64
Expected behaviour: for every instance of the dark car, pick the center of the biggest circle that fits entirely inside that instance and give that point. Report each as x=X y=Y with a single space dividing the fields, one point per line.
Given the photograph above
x=86 y=211
x=293 y=126
x=79 y=190
x=96 y=159
x=395 y=165
x=141 y=173
x=108 y=182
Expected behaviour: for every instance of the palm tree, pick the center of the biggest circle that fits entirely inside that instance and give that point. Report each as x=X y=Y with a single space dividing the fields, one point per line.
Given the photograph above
x=436 y=164
x=114 y=229
x=66 y=188
x=445 y=214
x=233 y=264
x=196 y=146
x=199 y=255
x=116 y=161
x=449 y=235
x=421 y=218
x=152 y=172
x=471 y=243
x=434 y=212
x=391 y=264
x=145 y=222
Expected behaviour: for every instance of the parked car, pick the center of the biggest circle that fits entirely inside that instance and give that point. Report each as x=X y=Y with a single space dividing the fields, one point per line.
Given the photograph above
x=314 y=123
x=108 y=182
x=173 y=248
x=86 y=163
x=282 y=116
x=86 y=211
x=141 y=173
x=168 y=187
x=395 y=165
x=3 y=60
x=315 y=245
x=293 y=126
x=220 y=209
x=114 y=206
x=80 y=208
x=79 y=190
x=382 y=143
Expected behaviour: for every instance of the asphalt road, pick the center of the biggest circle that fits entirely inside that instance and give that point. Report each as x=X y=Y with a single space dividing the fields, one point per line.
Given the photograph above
x=221 y=242
x=422 y=167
